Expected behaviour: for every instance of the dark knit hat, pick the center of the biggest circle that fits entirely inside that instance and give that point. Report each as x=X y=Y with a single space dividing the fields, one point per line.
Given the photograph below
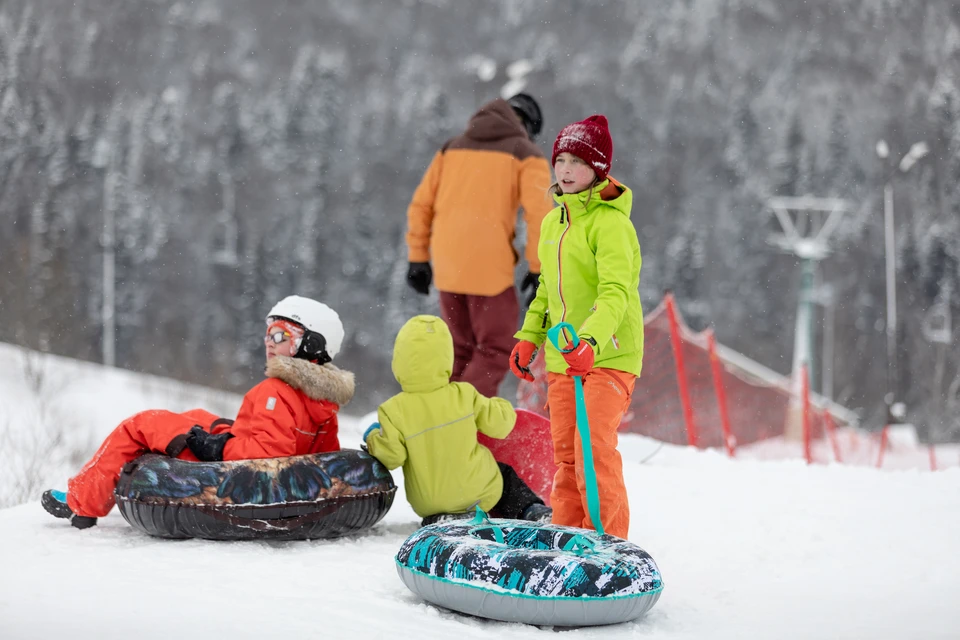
x=590 y=141
x=529 y=111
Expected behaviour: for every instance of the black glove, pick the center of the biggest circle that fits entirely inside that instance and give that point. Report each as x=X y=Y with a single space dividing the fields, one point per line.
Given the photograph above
x=419 y=276
x=207 y=446
x=530 y=281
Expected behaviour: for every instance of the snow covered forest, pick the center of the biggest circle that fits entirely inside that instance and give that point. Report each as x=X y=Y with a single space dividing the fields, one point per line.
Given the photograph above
x=229 y=152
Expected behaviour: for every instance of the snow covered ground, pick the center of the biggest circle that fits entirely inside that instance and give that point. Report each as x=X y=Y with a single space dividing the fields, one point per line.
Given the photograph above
x=747 y=548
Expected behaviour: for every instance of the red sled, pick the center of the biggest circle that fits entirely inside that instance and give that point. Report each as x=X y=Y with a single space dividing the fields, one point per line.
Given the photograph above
x=529 y=450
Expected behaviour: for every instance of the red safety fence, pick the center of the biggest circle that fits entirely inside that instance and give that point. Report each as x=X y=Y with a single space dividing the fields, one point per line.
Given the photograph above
x=693 y=391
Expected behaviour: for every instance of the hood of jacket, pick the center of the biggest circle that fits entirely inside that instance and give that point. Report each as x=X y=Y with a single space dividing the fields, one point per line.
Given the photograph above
x=494 y=121
x=318 y=382
x=423 y=354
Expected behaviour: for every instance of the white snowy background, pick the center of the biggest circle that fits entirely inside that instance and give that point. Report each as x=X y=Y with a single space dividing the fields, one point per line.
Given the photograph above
x=748 y=548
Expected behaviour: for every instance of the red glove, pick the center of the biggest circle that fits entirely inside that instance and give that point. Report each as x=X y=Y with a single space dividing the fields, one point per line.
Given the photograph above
x=520 y=359
x=580 y=358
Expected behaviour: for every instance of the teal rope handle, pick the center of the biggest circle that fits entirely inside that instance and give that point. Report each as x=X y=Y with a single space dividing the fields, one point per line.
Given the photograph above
x=481 y=517
x=580 y=545
x=583 y=427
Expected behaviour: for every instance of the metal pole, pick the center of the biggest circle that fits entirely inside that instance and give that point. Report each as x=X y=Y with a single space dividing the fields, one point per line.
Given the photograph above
x=826 y=379
x=891 y=269
x=803 y=333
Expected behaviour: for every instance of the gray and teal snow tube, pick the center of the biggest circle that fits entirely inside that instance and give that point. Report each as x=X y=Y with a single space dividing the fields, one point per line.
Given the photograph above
x=322 y=495
x=515 y=571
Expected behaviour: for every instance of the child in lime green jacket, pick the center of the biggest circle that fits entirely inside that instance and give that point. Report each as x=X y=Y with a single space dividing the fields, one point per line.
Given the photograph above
x=589 y=277
x=430 y=429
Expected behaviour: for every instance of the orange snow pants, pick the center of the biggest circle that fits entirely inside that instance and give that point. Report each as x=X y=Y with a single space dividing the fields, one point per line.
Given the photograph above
x=607 y=395
x=90 y=492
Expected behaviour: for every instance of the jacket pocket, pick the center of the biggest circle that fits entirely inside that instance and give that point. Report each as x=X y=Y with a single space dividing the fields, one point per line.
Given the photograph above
x=618 y=378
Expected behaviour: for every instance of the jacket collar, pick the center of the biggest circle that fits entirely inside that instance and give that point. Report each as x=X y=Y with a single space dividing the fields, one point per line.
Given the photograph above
x=319 y=382
x=609 y=192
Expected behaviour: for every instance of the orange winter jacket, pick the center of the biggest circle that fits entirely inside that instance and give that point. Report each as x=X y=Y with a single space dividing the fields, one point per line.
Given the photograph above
x=463 y=216
x=292 y=412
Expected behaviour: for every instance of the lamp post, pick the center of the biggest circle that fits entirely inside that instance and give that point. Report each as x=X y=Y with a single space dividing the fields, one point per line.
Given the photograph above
x=807 y=224
x=917 y=151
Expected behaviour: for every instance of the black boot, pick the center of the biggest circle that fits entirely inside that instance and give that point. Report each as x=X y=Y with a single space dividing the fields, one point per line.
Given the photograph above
x=55 y=502
x=539 y=513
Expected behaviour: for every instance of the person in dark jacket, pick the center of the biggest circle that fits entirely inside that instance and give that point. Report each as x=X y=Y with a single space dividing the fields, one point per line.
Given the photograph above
x=461 y=228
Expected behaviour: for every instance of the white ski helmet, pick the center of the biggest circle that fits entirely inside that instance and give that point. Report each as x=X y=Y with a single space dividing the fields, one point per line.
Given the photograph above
x=324 y=331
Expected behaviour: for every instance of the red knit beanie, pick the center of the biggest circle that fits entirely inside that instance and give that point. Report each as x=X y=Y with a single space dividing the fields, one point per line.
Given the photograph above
x=590 y=141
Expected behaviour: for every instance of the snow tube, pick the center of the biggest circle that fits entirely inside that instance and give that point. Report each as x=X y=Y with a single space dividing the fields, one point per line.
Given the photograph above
x=323 y=495
x=514 y=571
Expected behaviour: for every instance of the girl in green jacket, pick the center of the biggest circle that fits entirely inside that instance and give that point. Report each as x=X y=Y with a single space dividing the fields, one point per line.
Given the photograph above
x=589 y=277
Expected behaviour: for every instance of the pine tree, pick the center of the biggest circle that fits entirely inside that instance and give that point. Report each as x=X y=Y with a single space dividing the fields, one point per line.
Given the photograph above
x=743 y=141
x=788 y=163
x=839 y=171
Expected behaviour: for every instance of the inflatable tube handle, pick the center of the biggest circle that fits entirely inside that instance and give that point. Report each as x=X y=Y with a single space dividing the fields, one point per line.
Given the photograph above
x=583 y=427
x=497 y=532
x=480 y=516
x=580 y=545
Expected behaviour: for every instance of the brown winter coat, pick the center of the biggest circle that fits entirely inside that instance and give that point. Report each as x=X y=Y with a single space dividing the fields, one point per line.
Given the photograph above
x=463 y=215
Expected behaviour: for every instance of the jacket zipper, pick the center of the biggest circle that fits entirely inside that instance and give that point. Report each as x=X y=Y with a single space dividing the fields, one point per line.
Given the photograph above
x=563 y=304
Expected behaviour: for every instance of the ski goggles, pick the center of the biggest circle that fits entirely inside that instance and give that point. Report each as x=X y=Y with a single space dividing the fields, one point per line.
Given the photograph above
x=280 y=331
x=277 y=336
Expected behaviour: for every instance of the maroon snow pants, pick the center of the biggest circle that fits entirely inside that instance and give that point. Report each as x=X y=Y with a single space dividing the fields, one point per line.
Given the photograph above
x=482 y=328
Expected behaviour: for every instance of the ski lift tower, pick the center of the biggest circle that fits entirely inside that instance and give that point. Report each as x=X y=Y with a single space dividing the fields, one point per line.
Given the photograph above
x=806 y=225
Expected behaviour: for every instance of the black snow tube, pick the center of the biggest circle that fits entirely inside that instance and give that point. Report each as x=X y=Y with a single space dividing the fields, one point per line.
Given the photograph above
x=323 y=495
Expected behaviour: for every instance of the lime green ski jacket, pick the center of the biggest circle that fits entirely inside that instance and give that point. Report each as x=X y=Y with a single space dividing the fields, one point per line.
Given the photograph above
x=590 y=277
x=430 y=428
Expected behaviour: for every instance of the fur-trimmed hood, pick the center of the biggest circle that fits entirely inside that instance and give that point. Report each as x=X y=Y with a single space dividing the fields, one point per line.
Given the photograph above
x=320 y=382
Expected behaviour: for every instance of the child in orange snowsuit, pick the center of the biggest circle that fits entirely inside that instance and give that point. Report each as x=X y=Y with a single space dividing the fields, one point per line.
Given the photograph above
x=292 y=412
x=590 y=241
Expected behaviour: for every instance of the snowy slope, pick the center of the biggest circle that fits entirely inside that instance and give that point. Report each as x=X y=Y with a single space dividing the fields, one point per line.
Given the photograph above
x=746 y=548
x=55 y=411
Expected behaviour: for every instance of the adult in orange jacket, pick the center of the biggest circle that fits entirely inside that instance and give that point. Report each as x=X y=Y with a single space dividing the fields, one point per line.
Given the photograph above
x=461 y=228
x=292 y=412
